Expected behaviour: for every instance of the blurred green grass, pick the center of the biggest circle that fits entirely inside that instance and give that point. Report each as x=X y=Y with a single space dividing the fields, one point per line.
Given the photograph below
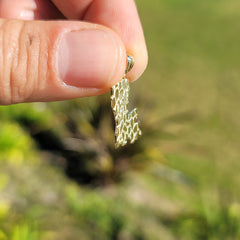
x=188 y=187
x=196 y=46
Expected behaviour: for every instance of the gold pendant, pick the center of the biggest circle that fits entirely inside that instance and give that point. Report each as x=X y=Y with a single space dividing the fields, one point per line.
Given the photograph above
x=126 y=123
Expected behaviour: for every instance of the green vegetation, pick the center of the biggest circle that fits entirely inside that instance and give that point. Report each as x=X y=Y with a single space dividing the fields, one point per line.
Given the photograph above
x=60 y=177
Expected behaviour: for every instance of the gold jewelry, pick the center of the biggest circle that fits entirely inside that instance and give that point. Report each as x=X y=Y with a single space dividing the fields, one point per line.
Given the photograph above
x=126 y=124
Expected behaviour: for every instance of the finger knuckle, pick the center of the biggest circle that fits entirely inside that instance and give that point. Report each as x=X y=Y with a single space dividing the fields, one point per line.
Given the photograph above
x=19 y=63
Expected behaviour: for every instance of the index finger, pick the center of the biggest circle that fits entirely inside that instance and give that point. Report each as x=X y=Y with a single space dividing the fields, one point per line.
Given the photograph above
x=119 y=15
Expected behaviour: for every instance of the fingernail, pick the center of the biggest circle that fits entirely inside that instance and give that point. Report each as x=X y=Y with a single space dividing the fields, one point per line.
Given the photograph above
x=87 y=58
x=28 y=9
x=27 y=15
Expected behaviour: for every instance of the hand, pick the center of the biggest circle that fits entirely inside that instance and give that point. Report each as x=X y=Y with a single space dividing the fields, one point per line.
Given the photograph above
x=81 y=53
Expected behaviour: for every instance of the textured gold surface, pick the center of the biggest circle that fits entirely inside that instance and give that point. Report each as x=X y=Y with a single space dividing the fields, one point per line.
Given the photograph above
x=126 y=125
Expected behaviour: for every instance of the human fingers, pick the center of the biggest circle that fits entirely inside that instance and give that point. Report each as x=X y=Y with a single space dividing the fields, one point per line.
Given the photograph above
x=29 y=10
x=119 y=15
x=57 y=60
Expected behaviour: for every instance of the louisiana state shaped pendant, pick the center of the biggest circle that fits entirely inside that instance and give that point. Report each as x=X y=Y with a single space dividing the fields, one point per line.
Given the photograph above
x=126 y=123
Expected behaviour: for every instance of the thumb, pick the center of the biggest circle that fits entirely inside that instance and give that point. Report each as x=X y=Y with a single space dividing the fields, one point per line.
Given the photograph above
x=57 y=60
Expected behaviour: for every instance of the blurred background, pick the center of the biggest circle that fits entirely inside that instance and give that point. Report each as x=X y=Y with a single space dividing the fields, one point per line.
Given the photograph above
x=61 y=178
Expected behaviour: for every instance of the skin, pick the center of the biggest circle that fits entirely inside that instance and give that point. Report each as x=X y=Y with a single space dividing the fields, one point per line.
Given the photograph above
x=34 y=64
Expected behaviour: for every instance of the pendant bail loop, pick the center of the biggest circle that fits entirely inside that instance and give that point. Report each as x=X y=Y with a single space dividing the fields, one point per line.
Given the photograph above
x=130 y=64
